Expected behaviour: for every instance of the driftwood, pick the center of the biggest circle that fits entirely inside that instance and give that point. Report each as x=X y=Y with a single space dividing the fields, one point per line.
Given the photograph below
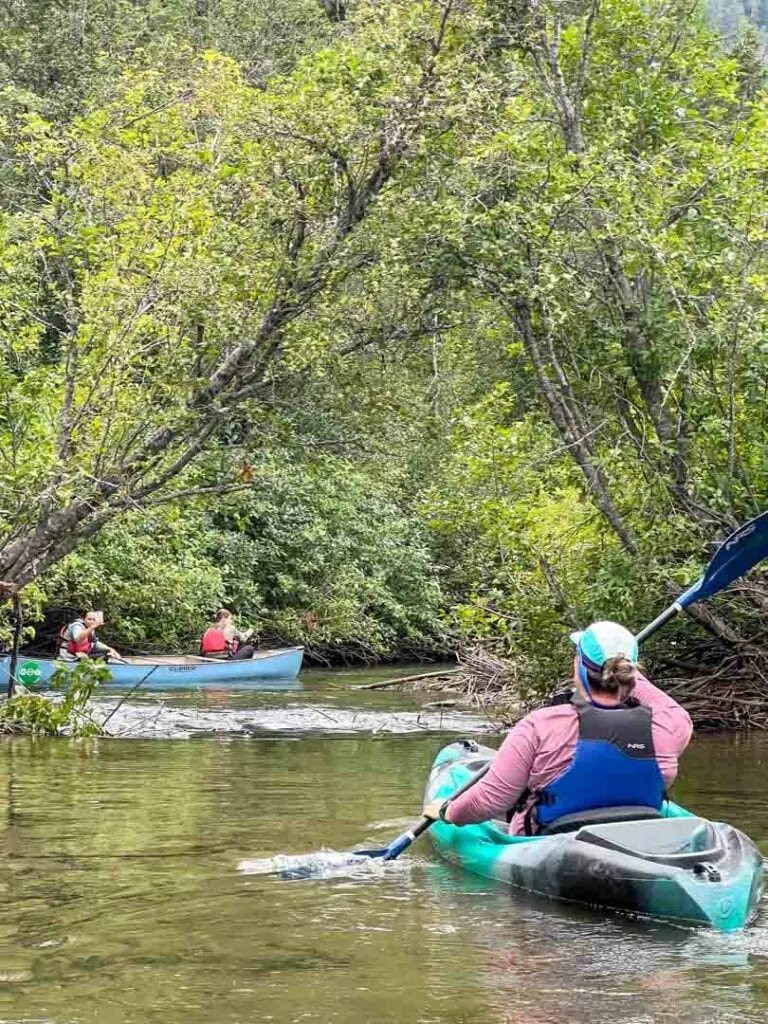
x=481 y=680
x=399 y=680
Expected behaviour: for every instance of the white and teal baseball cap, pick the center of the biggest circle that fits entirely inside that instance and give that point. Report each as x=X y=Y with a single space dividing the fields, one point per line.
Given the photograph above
x=603 y=640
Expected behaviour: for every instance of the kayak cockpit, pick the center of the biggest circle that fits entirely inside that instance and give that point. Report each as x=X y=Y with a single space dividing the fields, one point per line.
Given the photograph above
x=678 y=842
x=586 y=819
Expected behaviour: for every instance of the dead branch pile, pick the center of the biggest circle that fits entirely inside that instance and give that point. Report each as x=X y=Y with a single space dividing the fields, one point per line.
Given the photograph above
x=488 y=680
x=735 y=706
x=730 y=695
x=719 y=689
x=482 y=680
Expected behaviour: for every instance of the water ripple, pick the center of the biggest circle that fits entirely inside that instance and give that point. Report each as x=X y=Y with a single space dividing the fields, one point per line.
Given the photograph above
x=135 y=720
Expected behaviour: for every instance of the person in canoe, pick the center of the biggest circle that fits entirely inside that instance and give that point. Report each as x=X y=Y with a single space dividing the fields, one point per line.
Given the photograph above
x=612 y=742
x=78 y=640
x=222 y=639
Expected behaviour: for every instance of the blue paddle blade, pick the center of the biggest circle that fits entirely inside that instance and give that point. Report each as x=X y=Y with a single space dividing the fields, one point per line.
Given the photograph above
x=738 y=554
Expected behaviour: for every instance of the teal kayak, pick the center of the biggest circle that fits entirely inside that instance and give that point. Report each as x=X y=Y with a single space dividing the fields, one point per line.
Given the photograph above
x=677 y=867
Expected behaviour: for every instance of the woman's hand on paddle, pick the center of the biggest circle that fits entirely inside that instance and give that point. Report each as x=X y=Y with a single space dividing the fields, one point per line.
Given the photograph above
x=432 y=809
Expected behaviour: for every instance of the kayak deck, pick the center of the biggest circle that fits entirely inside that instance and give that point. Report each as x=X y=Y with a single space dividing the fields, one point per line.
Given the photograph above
x=678 y=867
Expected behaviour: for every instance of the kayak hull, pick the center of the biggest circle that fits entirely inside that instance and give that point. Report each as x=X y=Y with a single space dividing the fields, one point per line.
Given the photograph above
x=680 y=867
x=175 y=672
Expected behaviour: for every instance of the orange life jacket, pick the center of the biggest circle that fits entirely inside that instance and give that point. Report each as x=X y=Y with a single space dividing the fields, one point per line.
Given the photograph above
x=75 y=647
x=215 y=642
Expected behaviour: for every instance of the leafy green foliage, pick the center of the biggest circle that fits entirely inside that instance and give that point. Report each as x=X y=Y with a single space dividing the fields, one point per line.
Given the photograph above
x=58 y=57
x=474 y=292
x=153 y=576
x=38 y=715
x=327 y=558
x=319 y=555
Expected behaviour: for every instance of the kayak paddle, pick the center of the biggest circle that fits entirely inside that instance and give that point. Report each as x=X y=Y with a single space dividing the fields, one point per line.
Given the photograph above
x=325 y=863
x=402 y=842
x=736 y=555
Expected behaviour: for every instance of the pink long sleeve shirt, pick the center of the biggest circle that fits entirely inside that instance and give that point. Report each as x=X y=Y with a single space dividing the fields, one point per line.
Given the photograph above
x=542 y=745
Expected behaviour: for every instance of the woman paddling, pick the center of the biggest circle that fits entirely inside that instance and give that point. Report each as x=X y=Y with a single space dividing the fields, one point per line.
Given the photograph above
x=222 y=639
x=613 y=743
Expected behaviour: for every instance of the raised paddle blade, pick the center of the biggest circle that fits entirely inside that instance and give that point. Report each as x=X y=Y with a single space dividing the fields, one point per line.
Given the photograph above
x=736 y=555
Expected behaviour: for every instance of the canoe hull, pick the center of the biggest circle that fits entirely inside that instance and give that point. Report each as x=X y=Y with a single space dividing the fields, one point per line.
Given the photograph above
x=599 y=865
x=266 y=667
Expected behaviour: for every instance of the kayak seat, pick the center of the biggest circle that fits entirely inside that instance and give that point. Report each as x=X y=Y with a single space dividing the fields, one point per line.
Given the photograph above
x=676 y=842
x=598 y=816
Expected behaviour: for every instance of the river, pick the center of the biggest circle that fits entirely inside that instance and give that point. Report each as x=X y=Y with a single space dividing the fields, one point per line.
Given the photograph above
x=121 y=902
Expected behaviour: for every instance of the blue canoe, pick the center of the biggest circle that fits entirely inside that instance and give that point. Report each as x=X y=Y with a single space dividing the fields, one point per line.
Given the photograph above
x=266 y=669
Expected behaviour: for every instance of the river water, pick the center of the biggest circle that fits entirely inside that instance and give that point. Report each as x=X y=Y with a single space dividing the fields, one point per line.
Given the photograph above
x=120 y=900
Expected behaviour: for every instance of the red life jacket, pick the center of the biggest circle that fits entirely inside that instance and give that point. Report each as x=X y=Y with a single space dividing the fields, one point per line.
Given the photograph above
x=75 y=647
x=214 y=642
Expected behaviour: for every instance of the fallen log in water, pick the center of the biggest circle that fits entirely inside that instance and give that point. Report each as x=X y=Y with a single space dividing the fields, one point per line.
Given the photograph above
x=382 y=684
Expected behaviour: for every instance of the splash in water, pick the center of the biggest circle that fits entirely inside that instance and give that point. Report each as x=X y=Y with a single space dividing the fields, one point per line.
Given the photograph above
x=321 y=864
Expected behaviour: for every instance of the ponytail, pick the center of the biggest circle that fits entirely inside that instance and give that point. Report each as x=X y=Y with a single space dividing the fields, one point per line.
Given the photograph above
x=619 y=675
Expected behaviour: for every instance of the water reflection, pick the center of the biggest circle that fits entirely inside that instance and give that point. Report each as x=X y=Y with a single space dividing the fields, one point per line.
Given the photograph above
x=571 y=964
x=121 y=900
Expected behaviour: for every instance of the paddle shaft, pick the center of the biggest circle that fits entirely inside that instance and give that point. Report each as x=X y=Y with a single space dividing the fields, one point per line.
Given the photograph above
x=404 y=841
x=659 y=621
x=125 y=697
x=425 y=823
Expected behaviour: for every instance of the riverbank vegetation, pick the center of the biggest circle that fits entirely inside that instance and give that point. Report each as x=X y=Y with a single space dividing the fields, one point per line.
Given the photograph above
x=66 y=713
x=391 y=326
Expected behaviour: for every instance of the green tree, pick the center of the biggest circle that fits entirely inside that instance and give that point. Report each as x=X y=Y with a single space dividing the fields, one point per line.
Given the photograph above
x=183 y=232
x=57 y=58
x=318 y=553
x=610 y=204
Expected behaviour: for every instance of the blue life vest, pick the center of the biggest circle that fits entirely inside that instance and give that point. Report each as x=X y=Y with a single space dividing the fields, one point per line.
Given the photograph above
x=614 y=765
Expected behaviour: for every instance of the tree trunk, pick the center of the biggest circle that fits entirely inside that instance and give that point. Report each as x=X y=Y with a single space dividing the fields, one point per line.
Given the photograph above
x=626 y=296
x=560 y=410
x=336 y=10
x=18 y=625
